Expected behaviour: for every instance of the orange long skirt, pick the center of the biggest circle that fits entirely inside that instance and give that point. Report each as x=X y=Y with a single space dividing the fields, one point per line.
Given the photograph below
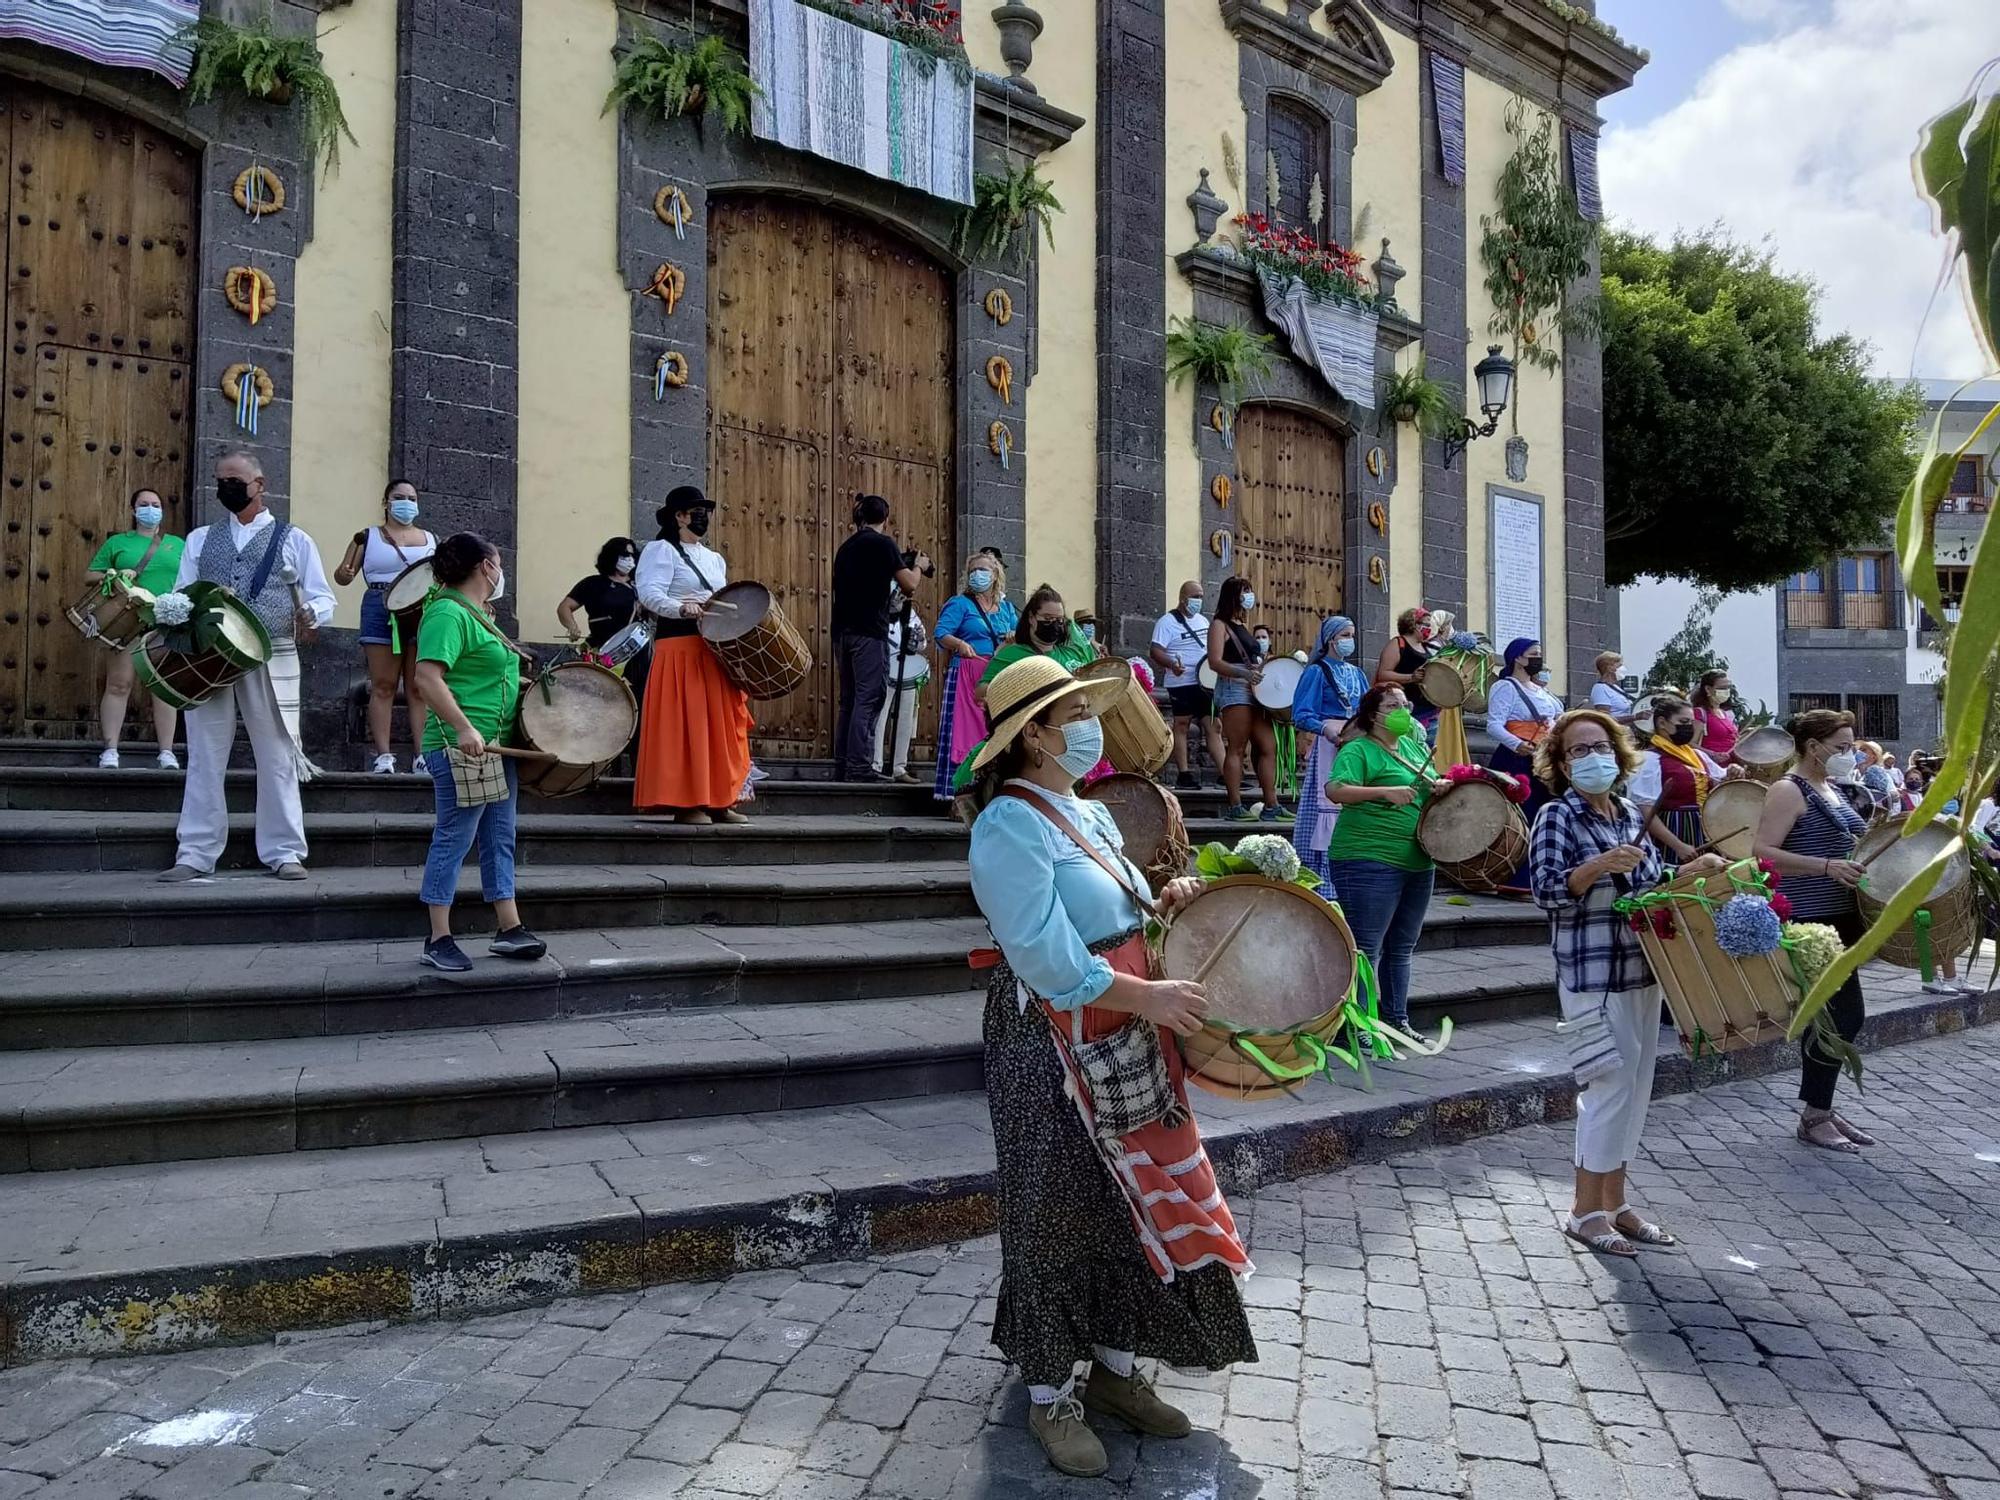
x=694 y=741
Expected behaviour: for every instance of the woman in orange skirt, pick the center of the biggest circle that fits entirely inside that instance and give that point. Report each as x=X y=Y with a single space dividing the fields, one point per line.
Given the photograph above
x=694 y=737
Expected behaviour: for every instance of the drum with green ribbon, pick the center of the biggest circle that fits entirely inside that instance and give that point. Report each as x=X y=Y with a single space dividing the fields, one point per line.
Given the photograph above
x=1948 y=921
x=220 y=640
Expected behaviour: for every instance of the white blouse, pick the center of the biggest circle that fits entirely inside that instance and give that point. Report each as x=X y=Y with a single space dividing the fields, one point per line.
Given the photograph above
x=664 y=580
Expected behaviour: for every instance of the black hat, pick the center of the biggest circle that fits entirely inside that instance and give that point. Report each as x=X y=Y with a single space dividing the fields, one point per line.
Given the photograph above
x=686 y=497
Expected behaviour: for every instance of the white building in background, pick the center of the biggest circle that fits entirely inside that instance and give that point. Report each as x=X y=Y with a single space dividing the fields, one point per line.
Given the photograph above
x=1844 y=634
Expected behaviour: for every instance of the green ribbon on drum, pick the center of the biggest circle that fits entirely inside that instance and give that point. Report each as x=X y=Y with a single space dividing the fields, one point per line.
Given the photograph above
x=1370 y=1038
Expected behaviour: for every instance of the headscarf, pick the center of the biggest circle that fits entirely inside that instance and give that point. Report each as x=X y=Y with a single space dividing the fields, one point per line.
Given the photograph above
x=1516 y=649
x=1329 y=628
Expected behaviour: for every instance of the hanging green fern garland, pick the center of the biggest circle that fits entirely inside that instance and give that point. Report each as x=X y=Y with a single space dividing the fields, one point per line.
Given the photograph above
x=669 y=80
x=1017 y=199
x=1227 y=356
x=1536 y=248
x=258 y=63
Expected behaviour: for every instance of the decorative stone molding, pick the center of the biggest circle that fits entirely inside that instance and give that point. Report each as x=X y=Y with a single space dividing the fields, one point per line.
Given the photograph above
x=1217 y=271
x=1525 y=45
x=1350 y=56
x=1389 y=274
x=1207 y=208
x=1018 y=25
x=1026 y=123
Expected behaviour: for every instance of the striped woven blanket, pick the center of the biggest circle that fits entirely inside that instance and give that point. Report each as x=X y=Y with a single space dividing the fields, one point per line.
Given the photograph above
x=117 y=33
x=852 y=96
x=1335 y=338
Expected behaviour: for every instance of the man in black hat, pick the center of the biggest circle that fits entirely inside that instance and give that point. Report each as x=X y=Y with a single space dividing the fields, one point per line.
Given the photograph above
x=865 y=569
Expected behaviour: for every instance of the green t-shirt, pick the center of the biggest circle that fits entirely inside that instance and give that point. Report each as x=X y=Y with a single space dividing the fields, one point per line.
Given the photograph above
x=482 y=673
x=1378 y=830
x=125 y=548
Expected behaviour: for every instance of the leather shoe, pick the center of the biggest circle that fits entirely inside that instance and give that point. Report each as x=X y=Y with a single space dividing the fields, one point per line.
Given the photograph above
x=179 y=875
x=1066 y=1438
x=1130 y=1398
x=291 y=869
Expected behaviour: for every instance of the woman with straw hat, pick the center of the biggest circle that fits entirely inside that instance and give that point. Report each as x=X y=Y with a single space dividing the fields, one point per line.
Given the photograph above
x=1115 y=1241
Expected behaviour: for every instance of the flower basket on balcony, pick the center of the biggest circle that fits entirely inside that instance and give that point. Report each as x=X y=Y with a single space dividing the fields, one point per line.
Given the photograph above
x=1318 y=296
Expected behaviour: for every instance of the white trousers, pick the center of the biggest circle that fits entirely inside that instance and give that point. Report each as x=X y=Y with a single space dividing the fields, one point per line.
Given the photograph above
x=906 y=727
x=211 y=730
x=1611 y=1109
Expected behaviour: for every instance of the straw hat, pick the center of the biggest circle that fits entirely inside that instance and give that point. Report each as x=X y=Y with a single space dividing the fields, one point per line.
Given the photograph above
x=1023 y=690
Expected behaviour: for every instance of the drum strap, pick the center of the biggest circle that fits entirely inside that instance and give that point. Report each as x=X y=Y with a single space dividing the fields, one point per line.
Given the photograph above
x=1068 y=828
x=147 y=556
x=269 y=560
x=701 y=576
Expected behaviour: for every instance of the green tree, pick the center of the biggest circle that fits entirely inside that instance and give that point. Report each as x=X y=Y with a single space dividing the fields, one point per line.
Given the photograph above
x=1691 y=649
x=1741 y=444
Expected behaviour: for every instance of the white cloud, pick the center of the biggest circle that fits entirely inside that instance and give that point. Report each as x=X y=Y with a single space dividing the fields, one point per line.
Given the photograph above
x=1804 y=137
x=1765 y=12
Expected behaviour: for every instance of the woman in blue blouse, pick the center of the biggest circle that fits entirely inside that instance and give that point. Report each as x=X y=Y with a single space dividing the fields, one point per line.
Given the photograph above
x=1111 y=1245
x=1322 y=703
x=974 y=623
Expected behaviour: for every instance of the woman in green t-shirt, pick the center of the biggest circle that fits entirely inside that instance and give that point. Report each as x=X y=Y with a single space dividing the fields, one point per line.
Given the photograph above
x=470 y=678
x=1382 y=876
x=151 y=560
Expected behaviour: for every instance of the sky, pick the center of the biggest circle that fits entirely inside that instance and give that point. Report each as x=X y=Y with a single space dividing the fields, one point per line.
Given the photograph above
x=1792 y=121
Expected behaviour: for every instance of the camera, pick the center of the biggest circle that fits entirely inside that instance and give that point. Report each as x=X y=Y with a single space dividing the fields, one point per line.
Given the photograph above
x=910 y=556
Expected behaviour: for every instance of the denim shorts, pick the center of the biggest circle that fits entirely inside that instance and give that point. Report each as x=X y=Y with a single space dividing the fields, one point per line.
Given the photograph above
x=375 y=618
x=1231 y=692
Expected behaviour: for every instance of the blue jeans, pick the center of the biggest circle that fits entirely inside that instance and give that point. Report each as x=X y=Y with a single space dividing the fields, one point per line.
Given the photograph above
x=1385 y=909
x=491 y=825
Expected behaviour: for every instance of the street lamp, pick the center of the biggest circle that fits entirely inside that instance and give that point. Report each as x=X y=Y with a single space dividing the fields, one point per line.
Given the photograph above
x=1495 y=375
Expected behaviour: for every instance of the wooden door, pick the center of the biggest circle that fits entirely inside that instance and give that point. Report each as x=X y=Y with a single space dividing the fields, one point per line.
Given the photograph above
x=1290 y=488
x=830 y=362
x=99 y=307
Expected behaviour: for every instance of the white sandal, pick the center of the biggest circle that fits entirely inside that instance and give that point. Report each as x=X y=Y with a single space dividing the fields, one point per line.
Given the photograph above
x=1612 y=1242
x=1646 y=1233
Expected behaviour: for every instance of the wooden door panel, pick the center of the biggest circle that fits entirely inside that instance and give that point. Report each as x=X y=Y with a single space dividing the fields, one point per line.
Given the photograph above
x=1291 y=488
x=100 y=266
x=922 y=523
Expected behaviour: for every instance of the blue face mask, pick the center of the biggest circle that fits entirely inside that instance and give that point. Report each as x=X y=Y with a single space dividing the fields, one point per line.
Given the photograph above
x=1593 y=773
x=1344 y=646
x=402 y=512
x=149 y=515
x=1083 y=747
x=1089 y=632
x=980 y=580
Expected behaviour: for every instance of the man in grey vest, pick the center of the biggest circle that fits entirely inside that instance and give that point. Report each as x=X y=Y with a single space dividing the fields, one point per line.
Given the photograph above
x=275 y=569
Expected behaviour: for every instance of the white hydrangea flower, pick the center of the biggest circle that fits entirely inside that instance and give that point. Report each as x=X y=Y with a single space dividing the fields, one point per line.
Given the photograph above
x=1272 y=854
x=173 y=609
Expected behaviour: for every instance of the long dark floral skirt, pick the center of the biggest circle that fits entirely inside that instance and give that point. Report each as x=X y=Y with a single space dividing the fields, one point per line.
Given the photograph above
x=1073 y=1274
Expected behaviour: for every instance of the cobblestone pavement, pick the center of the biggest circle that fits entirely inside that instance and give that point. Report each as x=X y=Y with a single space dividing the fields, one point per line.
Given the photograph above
x=1829 y=1329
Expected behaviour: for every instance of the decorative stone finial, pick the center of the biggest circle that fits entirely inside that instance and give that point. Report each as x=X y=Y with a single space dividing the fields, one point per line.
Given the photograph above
x=1019 y=26
x=1207 y=208
x=1387 y=274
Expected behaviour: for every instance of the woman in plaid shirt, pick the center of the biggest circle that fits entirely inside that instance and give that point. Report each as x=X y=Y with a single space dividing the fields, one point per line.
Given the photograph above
x=1589 y=847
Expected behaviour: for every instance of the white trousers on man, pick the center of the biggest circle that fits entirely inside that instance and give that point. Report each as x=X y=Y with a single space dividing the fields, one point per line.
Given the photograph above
x=1611 y=1108
x=211 y=731
x=905 y=711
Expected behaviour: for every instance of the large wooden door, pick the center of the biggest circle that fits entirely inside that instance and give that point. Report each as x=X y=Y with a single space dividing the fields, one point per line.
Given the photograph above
x=830 y=368
x=95 y=401
x=1291 y=482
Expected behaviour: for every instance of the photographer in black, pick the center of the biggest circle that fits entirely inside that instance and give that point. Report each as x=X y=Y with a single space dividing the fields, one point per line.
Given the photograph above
x=864 y=568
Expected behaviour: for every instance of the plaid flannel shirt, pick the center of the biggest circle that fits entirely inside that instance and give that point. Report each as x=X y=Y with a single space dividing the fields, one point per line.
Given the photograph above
x=1596 y=951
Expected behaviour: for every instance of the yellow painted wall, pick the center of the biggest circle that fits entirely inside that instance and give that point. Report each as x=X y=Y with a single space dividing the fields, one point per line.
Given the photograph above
x=1061 y=403
x=1388 y=178
x=1538 y=395
x=1203 y=105
x=575 y=425
x=340 y=409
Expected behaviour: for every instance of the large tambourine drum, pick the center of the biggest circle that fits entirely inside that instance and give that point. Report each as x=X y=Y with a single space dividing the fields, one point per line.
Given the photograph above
x=1136 y=738
x=1766 y=753
x=1284 y=975
x=406 y=596
x=1275 y=688
x=1205 y=674
x=107 y=613
x=1475 y=835
x=1150 y=823
x=1893 y=862
x=1729 y=818
x=759 y=648
x=186 y=679
x=1458 y=679
x=583 y=716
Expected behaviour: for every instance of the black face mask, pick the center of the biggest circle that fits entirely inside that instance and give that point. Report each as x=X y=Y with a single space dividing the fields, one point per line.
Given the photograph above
x=697 y=522
x=1051 y=632
x=1532 y=664
x=233 y=494
x=1683 y=734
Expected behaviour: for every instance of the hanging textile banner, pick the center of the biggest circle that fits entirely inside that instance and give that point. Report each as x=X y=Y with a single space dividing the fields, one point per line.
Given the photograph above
x=117 y=33
x=1448 y=100
x=842 y=92
x=1335 y=338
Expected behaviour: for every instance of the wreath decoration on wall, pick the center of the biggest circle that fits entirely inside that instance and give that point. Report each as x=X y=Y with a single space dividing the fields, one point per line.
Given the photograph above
x=1000 y=375
x=1378 y=516
x=671 y=204
x=260 y=382
x=1222 y=489
x=1000 y=306
x=1375 y=571
x=258 y=191
x=669 y=284
x=250 y=291
x=671 y=369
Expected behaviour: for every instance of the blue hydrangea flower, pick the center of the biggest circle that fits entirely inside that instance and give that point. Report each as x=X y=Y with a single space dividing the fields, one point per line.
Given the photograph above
x=1464 y=640
x=1746 y=927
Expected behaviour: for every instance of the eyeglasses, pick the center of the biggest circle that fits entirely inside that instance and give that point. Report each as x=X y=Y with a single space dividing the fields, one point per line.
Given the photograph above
x=1599 y=747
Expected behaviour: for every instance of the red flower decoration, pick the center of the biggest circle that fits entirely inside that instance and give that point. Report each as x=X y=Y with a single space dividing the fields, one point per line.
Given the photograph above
x=1782 y=905
x=1636 y=922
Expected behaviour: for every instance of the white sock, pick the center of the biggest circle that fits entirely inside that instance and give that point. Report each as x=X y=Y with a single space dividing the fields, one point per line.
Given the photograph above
x=1044 y=1395
x=1117 y=1361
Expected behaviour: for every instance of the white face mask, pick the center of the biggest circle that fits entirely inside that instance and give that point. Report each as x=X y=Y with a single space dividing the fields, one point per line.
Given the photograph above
x=1723 y=695
x=623 y=565
x=499 y=586
x=1842 y=766
x=1193 y=607
x=1593 y=773
x=1083 y=746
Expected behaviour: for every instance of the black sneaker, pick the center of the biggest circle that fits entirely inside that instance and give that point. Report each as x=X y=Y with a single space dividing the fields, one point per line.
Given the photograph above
x=1187 y=781
x=444 y=953
x=516 y=942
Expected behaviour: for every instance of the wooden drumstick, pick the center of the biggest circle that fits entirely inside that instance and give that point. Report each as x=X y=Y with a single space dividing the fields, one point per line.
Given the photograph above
x=513 y=754
x=1215 y=953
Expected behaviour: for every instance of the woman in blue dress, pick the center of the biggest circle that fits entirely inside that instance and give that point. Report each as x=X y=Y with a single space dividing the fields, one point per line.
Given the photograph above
x=974 y=623
x=1322 y=703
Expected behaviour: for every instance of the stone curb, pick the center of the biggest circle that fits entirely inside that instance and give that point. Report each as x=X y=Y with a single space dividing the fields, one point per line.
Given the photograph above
x=504 y=1261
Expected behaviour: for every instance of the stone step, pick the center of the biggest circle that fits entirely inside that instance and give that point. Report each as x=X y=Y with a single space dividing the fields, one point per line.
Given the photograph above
x=235 y=992
x=131 y=909
x=144 y=1259
x=68 y=841
x=106 y=1106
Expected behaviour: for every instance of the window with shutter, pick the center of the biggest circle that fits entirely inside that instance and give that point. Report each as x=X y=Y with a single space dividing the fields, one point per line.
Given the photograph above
x=1296 y=139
